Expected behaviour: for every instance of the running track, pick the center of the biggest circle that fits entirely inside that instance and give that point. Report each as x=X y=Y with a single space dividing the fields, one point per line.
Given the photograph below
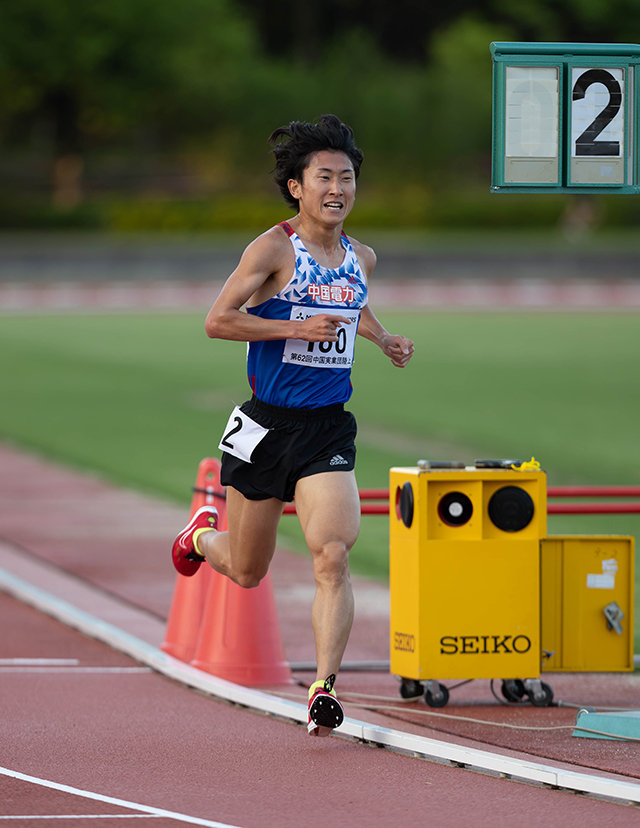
x=102 y=273
x=539 y=293
x=92 y=732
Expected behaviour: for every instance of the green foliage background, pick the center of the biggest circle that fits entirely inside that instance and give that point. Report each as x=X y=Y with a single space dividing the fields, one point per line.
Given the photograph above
x=134 y=114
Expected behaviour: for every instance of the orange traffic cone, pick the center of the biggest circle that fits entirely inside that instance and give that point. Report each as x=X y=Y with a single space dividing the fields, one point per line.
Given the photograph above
x=239 y=633
x=189 y=596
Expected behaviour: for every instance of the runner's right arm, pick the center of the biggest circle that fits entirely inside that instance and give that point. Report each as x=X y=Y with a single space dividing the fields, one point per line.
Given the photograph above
x=265 y=263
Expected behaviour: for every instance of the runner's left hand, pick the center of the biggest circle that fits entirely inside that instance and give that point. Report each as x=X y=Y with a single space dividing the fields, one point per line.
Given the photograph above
x=399 y=349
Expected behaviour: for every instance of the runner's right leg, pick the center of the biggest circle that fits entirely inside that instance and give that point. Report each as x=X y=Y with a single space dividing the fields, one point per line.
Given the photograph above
x=244 y=552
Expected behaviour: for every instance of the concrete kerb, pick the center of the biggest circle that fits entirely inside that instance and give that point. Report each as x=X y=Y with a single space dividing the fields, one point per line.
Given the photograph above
x=411 y=744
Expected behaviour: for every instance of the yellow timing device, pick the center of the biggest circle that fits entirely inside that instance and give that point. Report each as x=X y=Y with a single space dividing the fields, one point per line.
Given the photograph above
x=465 y=569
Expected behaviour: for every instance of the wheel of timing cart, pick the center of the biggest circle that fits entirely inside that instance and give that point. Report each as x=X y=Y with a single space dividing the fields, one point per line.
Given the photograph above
x=513 y=690
x=439 y=698
x=542 y=699
x=410 y=689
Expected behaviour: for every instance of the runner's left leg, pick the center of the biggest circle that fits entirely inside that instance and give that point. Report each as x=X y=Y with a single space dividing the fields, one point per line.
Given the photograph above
x=328 y=507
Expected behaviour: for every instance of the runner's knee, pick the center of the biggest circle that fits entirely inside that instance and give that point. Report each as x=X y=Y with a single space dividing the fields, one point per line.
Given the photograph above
x=331 y=562
x=248 y=578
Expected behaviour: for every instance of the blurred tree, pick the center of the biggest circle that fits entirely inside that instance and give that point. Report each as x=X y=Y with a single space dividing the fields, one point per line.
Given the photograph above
x=82 y=72
x=599 y=21
x=404 y=30
x=400 y=30
x=460 y=77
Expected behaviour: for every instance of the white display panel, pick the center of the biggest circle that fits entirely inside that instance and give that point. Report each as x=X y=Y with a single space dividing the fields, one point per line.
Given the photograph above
x=531 y=112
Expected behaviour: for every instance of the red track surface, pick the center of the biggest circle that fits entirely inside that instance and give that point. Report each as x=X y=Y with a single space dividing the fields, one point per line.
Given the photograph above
x=124 y=732
x=445 y=292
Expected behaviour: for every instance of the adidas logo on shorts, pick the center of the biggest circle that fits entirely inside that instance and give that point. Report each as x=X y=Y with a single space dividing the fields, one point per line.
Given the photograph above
x=338 y=460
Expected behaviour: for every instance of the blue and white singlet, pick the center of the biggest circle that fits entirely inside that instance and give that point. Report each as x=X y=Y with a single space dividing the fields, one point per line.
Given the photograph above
x=293 y=373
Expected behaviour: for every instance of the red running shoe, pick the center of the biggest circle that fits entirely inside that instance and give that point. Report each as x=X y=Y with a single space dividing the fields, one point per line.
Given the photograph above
x=325 y=711
x=185 y=557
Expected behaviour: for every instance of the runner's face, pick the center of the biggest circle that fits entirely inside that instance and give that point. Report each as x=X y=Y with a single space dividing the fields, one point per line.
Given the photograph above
x=328 y=188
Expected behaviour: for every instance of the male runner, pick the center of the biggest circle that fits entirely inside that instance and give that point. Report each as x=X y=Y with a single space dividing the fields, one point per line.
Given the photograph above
x=304 y=286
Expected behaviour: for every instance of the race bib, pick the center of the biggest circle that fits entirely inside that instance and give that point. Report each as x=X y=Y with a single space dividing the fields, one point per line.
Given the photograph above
x=338 y=354
x=241 y=435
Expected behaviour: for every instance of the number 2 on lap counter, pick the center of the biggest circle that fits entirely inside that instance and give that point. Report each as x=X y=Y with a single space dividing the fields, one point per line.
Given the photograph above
x=597 y=112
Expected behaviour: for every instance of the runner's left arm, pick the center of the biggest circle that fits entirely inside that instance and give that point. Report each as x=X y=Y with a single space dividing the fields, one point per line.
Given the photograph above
x=398 y=348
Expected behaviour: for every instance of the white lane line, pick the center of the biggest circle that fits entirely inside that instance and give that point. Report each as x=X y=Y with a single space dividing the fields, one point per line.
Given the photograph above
x=38 y=662
x=55 y=670
x=82 y=816
x=111 y=800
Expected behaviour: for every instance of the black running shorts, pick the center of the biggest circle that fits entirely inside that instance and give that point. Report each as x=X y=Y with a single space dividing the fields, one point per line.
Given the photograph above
x=300 y=442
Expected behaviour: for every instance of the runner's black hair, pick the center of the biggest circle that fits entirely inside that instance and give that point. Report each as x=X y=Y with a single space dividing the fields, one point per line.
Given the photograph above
x=293 y=144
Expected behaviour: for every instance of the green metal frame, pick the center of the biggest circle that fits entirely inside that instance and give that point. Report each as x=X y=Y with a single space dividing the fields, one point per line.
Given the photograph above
x=565 y=57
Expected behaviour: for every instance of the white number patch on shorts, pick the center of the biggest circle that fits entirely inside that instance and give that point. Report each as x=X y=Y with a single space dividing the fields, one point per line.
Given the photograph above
x=241 y=435
x=337 y=354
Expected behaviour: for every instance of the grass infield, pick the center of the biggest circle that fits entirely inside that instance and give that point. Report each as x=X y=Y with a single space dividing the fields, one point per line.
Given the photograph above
x=142 y=398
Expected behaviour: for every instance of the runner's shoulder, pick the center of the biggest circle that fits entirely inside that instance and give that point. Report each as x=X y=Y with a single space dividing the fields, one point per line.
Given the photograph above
x=366 y=255
x=271 y=248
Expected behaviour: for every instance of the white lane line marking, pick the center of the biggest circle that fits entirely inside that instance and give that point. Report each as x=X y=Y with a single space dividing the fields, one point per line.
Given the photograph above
x=112 y=800
x=83 y=816
x=38 y=662
x=54 y=670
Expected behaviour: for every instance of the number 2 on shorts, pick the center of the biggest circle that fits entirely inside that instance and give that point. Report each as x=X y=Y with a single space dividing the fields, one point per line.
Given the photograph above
x=241 y=435
x=225 y=440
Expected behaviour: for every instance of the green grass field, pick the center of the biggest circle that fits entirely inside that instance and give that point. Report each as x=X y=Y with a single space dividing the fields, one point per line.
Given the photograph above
x=142 y=398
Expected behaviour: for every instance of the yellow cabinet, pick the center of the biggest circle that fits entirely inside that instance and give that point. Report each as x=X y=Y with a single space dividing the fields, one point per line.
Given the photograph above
x=587 y=602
